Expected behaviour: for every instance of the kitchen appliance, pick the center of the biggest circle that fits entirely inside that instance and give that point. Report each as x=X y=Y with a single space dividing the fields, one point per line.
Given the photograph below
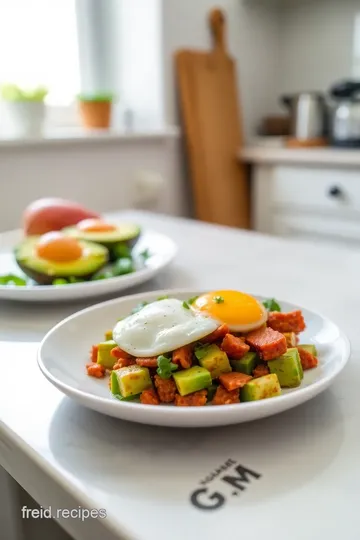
x=309 y=118
x=345 y=123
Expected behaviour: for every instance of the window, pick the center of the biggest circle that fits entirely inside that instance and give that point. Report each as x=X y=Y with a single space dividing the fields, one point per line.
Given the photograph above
x=38 y=46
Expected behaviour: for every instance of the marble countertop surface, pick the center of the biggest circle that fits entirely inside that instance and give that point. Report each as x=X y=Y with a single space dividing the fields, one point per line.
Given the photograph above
x=306 y=459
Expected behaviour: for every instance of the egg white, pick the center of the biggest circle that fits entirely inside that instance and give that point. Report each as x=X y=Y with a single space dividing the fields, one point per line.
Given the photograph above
x=161 y=327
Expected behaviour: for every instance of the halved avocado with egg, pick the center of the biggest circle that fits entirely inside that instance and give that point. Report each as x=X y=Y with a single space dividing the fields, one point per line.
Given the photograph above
x=54 y=255
x=118 y=238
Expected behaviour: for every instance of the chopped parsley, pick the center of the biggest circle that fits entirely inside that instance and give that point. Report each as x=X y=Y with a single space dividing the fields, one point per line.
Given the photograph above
x=272 y=305
x=201 y=350
x=145 y=254
x=192 y=300
x=186 y=305
x=219 y=300
x=139 y=307
x=165 y=297
x=129 y=398
x=165 y=367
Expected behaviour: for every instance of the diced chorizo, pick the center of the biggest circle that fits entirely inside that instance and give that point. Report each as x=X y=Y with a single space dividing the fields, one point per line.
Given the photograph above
x=149 y=397
x=290 y=339
x=234 y=380
x=183 y=357
x=234 y=347
x=308 y=360
x=95 y=370
x=197 y=399
x=261 y=370
x=218 y=334
x=147 y=362
x=123 y=362
x=286 y=322
x=267 y=342
x=166 y=389
x=116 y=352
x=94 y=353
x=223 y=397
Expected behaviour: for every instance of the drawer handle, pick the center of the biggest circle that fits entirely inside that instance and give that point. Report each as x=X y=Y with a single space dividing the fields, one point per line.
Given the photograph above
x=335 y=192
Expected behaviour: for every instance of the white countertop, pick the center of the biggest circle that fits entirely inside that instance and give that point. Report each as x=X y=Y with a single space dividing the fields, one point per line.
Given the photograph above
x=263 y=154
x=308 y=458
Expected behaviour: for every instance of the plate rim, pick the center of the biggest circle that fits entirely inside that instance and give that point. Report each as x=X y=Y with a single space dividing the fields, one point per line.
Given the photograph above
x=268 y=404
x=44 y=290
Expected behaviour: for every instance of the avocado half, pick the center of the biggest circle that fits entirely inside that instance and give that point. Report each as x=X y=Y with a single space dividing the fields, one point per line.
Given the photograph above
x=126 y=234
x=44 y=272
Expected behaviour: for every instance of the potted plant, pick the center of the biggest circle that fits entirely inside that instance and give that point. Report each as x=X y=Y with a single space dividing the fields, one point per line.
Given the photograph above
x=95 y=110
x=25 y=109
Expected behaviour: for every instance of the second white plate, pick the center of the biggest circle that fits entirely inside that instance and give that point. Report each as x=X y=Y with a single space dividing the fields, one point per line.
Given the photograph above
x=161 y=248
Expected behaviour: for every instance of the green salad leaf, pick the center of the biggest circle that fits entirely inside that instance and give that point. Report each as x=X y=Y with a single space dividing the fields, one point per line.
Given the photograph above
x=165 y=367
x=272 y=305
x=121 y=250
x=11 y=279
x=60 y=281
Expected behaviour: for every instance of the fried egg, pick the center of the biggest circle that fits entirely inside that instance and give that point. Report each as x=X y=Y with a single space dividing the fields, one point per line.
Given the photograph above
x=240 y=311
x=161 y=327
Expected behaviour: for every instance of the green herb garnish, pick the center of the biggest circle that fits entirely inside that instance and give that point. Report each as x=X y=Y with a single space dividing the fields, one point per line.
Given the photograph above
x=165 y=297
x=105 y=275
x=11 y=279
x=73 y=279
x=218 y=300
x=129 y=398
x=192 y=300
x=272 y=305
x=139 y=307
x=186 y=305
x=201 y=350
x=165 y=367
x=145 y=254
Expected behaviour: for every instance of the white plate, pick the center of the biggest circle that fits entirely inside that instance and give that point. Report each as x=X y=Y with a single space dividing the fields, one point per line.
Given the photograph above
x=65 y=349
x=162 y=251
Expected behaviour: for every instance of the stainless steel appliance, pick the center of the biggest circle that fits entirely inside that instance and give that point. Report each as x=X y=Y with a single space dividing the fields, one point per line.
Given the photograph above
x=309 y=115
x=345 y=123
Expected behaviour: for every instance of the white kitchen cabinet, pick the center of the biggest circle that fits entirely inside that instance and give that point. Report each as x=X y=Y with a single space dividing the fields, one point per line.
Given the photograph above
x=319 y=201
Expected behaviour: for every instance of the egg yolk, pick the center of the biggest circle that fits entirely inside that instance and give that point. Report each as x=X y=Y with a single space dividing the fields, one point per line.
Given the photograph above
x=58 y=248
x=230 y=307
x=95 y=225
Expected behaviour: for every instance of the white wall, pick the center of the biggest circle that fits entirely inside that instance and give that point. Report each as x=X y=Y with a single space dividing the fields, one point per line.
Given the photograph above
x=253 y=41
x=317 y=43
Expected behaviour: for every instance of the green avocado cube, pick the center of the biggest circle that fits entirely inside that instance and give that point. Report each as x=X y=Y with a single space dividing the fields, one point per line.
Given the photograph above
x=246 y=364
x=287 y=368
x=261 y=388
x=108 y=335
x=104 y=357
x=130 y=381
x=213 y=359
x=309 y=348
x=191 y=380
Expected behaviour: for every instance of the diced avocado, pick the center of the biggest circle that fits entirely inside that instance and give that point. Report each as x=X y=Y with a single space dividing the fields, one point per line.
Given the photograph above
x=246 y=364
x=261 y=388
x=287 y=368
x=298 y=361
x=191 y=380
x=130 y=381
x=290 y=339
x=214 y=360
x=45 y=272
x=309 y=348
x=104 y=357
x=108 y=335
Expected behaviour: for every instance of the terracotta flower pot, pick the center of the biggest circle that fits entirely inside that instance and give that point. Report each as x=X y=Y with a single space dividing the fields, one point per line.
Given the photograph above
x=95 y=114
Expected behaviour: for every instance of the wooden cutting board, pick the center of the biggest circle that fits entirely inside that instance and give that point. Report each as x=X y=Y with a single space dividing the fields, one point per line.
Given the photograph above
x=212 y=127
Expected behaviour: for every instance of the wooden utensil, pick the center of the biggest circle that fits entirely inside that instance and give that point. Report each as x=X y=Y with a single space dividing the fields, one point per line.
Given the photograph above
x=212 y=125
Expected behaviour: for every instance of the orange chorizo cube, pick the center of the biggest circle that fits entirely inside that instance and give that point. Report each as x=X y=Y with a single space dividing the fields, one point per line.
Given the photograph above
x=268 y=343
x=149 y=397
x=308 y=360
x=234 y=347
x=166 y=389
x=197 y=399
x=286 y=322
x=234 y=380
x=224 y=397
x=217 y=335
x=183 y=356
